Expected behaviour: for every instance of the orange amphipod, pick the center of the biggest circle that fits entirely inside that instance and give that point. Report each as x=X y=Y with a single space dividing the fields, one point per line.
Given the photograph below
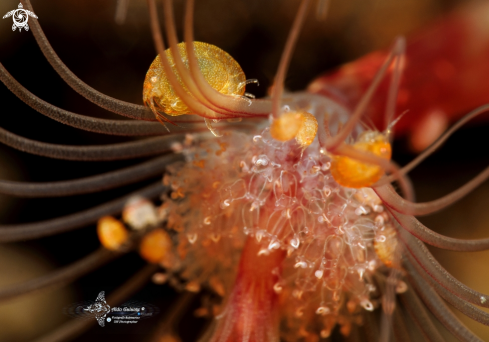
x=356 y=174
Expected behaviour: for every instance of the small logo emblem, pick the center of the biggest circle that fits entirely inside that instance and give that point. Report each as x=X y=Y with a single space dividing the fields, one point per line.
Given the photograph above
x=100 y=308
x=20 y=17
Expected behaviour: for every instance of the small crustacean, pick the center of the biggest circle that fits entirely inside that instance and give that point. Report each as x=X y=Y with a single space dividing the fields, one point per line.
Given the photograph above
x=302 y=126
x=356 y=174
x=219 y=69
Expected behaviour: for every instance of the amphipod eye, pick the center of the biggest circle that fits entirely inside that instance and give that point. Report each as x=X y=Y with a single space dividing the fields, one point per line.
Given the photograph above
x=219 y=69
x=302 y=126
x=111 y=233
x=351 y=173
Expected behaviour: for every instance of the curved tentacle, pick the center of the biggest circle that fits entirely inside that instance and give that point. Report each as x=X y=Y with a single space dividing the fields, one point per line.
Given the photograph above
x=429 y=151
x=231 y=104
x=440 y=310
x=114 y=127
x=436 y=271
x=123 y=108
x=116 y=106
x=416 y=228
x=420 y=316
x=191 y=103
x=283 y=65
x=126 y=150
x=90 y=184
x=461 y=305
x=29 y=231
x=334 y=142
x=183 y=72
x=60 y=277
x=397 y=203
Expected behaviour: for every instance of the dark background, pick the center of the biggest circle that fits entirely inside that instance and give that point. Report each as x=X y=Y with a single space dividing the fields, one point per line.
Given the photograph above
x=114 y=59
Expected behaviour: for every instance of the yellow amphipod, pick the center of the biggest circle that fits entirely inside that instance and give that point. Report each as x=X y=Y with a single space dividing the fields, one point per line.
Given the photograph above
x=302 y=126
x=219 y=69
x=352 y=173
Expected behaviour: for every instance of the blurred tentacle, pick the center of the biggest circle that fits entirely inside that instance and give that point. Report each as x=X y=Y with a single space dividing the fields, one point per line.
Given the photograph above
x=90 y=184
x=170 y=320
x=278 y=84
x=420 y=316
x=416 y=228
x=104 y=126
x=401 y=332
x=436 y=271
x=438 y=307
x=29 y=231
x=126 y=150
x=121 y=11
x=371 y=327
x=60 y=277
x=76 y=327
